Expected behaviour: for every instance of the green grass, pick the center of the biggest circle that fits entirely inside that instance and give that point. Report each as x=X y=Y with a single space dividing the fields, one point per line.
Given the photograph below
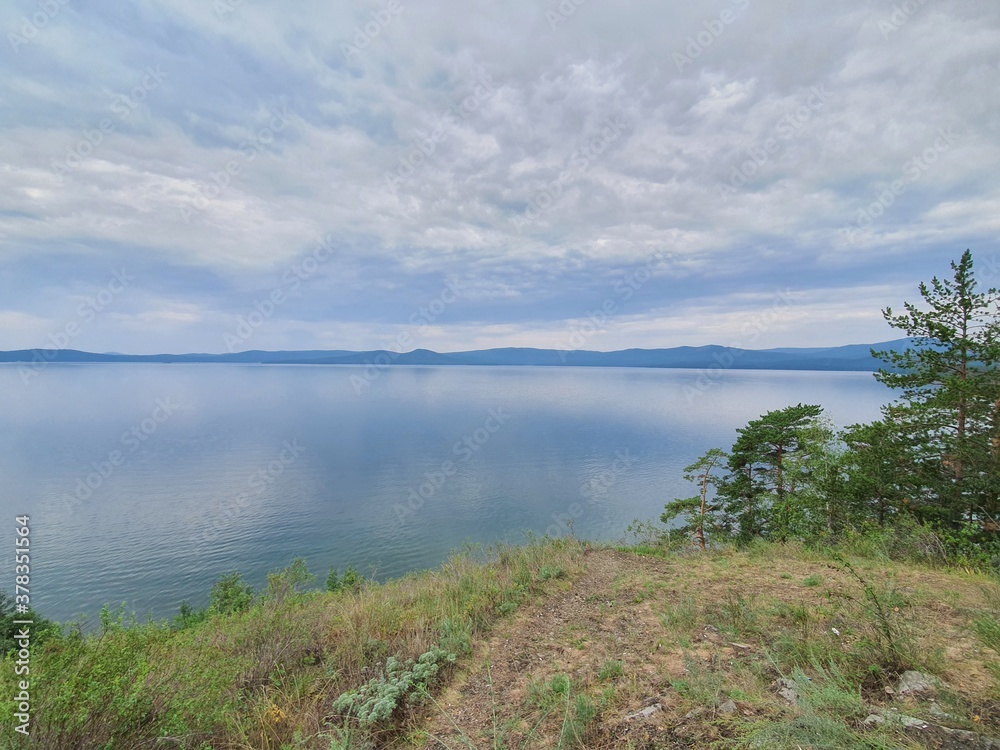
x=988 y=630
x=830 y=705
x=249 y=674
x=362 y=666
x=681 y=616
x=610 y=670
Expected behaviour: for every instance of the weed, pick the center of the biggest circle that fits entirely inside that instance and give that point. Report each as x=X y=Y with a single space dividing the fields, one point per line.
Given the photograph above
x=547 y=694
x=577 y=720
x=828 y=703
x=703 y=684
x=988 y=630
x=610 y=670
x=889 y=647
x=740 y=613
x=682 y=616
x=549 y=572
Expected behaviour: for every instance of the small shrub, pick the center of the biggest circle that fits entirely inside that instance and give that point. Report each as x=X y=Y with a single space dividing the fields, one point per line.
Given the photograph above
x=456 y=637
x=351 y=580
x=548 y=572
x=231 y=595
x=292 y=580
x=41 y=628
x=187 y=616
x=890 y=646
x=333 y=580
x=376 y=701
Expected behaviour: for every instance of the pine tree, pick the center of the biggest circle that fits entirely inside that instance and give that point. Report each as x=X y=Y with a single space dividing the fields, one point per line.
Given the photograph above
x=877 y=483
x=768 y=471
x=949 y=410
x=698 y=512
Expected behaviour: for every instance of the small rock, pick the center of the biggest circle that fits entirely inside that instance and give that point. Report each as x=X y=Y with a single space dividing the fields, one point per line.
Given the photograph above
x=939 y=713
x=644 y=713
x=892 y=715
x=694 y=713
x=965 y=740
x=729 y=707
x=788 y=690
x=916 y=683
x=939 y=736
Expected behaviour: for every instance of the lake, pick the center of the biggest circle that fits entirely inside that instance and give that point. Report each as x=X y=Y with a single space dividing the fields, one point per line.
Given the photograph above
x=146 y=482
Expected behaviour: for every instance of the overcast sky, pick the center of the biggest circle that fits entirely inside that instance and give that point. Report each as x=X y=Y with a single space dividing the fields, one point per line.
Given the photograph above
x=210 y=176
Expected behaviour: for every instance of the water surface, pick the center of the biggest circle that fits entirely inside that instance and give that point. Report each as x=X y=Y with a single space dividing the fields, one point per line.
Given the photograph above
x=196 y=470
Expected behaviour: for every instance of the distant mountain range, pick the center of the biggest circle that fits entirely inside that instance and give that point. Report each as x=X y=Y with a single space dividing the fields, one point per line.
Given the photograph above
x=852 y=357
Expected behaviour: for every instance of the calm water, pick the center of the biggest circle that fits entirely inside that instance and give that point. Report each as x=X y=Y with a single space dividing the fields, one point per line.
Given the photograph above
x=146 y=482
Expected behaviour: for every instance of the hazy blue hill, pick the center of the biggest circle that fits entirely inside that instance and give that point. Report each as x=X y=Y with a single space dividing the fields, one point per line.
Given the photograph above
x=851 y=357
x=272 y=357
x=57 y=355
x=515 y=356
x=851 y=351
x=379 y=357
x=74 y=355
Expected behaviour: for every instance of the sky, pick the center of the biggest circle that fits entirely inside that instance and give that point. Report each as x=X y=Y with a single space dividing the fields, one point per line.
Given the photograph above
x=225 y=175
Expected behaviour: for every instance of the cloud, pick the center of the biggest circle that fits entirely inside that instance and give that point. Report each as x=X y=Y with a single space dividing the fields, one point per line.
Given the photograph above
x=210 y=147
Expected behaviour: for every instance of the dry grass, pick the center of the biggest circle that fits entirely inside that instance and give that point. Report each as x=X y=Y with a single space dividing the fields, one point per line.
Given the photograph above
x=694 y=631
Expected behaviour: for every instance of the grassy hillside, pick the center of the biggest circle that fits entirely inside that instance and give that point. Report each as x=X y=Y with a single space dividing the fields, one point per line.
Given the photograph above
x=553 y=645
